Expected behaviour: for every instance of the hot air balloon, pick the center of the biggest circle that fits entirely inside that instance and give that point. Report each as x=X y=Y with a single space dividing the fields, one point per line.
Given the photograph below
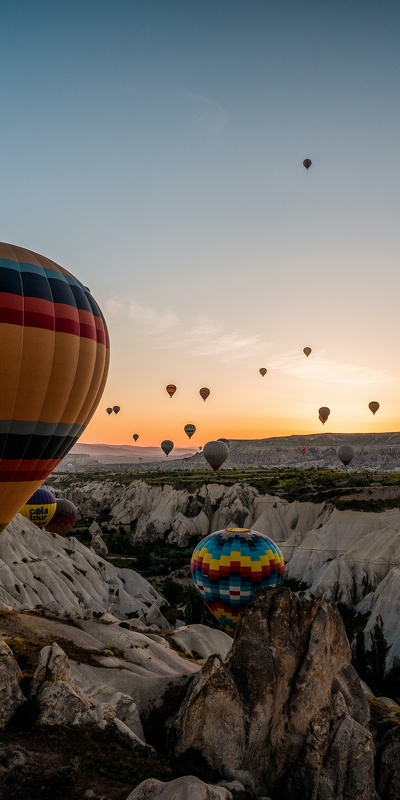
x=228 y=566
x=167 y=446
x=373 y=406
x=116 y=409
x=109 y=410
x=54 y=354
x=307 y=351
x=303 y=450
x=307 y=163
x=223 y=440
x=64 y=518
x=190 y=430
x=262 y=371
x=345 y=453
x=171 y=389
x=215 y=453
x=204 y=393
x=40 y=508
x=323 y=414
x=135 y=436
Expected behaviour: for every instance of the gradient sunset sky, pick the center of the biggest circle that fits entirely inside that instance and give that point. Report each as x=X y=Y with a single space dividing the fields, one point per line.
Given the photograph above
x=154 y=148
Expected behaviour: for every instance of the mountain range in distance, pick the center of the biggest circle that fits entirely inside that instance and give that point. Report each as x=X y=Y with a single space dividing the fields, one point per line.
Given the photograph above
x=373 y=450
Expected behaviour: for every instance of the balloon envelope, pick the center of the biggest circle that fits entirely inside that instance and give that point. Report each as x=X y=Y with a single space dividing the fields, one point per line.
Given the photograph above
x=116 y=409
x=323 y=413
x=135 y=436
x=224 y=440
x=345 y=453
x=190 y=430
x=40 y=508
x=64 y=518
x=303 y=450
x=307 y=351
x=215 y=453
x=307 y=163
x=204 y=393
x=228 y=566
x=373 y=406
x=167 y=446
x=54 y=354
x=171 y=389
x=263 y=371
x=109 y=410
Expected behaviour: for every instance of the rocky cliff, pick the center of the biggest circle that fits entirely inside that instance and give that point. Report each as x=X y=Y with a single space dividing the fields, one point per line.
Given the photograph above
x=284 y=713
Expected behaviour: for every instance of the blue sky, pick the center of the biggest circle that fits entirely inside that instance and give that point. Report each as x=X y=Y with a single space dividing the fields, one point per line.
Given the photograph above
x=155 y=149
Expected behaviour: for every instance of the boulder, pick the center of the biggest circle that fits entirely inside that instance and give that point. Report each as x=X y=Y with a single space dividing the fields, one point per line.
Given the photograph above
x=285 y=713
x=185 y=788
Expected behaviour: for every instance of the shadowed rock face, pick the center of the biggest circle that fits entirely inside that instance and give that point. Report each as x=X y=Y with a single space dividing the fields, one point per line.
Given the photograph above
x=285 y=713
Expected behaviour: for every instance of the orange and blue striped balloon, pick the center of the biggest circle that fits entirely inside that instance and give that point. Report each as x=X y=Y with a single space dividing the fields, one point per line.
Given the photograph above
x=228 y=566
x=54 y=354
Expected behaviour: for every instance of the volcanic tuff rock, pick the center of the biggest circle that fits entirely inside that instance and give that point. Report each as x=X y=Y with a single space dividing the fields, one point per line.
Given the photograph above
x=41 y=569
x=285 y=713
x=346 y=556
x=60 y=701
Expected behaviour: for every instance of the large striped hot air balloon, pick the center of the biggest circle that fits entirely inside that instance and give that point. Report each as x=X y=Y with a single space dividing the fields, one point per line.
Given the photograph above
x=228 y=566
x=40 y=508
x=64 y=517
x=54 y=355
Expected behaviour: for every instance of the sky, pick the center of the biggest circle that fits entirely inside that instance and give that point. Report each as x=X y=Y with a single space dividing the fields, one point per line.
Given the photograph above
x=154 y=148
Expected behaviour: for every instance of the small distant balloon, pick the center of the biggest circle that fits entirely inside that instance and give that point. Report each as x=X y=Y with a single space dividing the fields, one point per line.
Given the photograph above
x=215 y=453
x=200 y=448
x=227 y=568
x=135 y=436
x=116 y=409
x=64 y=518
x=171 y=389
x=345 y=453
x=190 y=429
x=204 y=393
x=373 y=406
x=307 y=351
x=167 y=446
x=323 y=414
x=40 y=507
x=262 y=371
x=303 y=450
x=109 y=410
x=307 y=163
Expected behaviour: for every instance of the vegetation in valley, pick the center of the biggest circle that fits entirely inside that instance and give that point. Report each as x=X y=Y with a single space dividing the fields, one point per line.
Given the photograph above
x=345 y=489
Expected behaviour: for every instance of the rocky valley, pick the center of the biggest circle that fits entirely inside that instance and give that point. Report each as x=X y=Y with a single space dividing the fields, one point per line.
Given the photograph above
x=108 y=692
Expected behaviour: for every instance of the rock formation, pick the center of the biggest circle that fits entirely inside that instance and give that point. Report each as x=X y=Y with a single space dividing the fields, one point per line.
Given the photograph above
x=41 y=569
x=10 y=678
x=285 y=713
